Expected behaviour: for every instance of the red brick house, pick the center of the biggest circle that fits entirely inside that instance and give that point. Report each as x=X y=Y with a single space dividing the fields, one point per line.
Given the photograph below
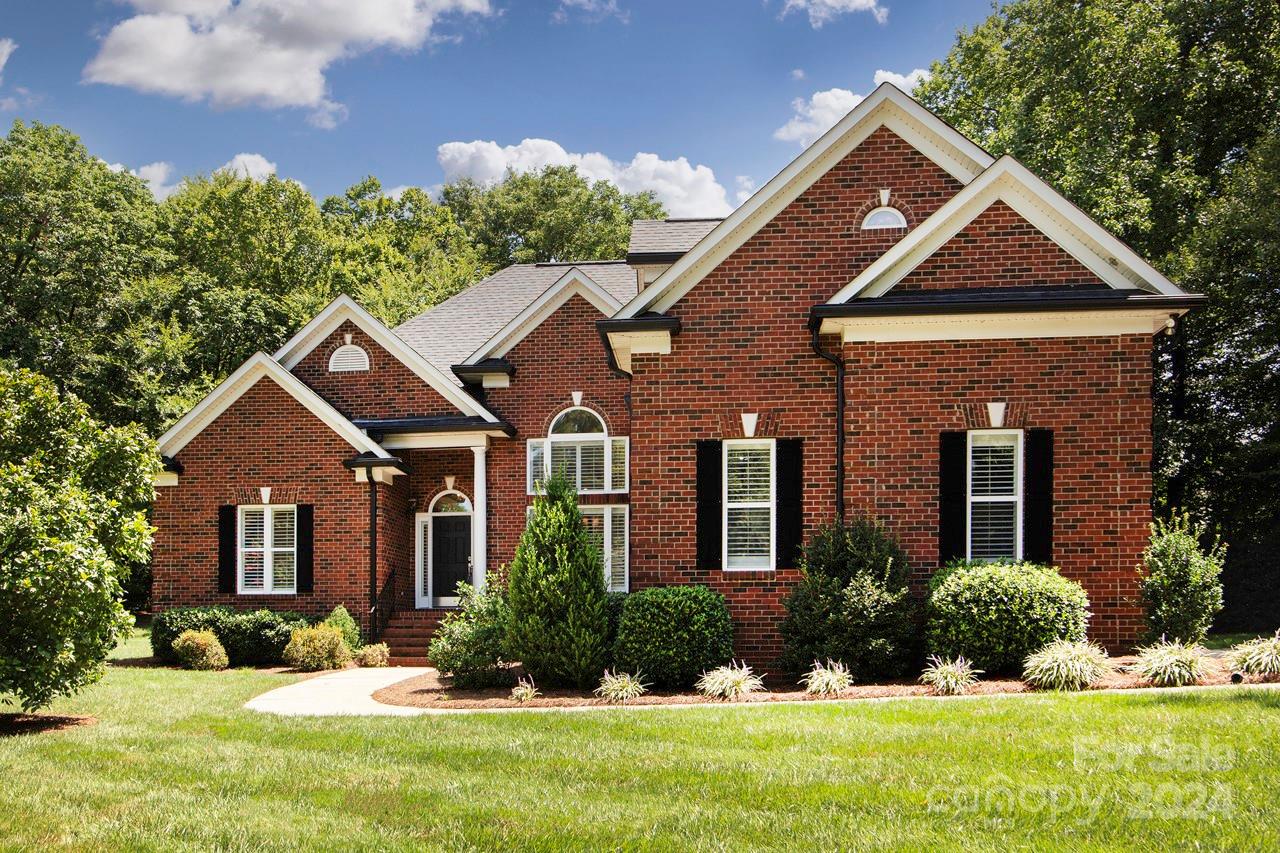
x=897 y=324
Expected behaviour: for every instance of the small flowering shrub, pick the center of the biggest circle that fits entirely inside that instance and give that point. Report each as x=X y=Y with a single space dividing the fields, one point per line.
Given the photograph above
x=525 y=690
x=1170 y=663
x=729 y=682
x=200 y=650
x=321 y=647
x=470 y=644
x=1066 y=665
x=829 y=679
x=621 y=687
x=373 y=655
x=1257 y=657
x=949 y=677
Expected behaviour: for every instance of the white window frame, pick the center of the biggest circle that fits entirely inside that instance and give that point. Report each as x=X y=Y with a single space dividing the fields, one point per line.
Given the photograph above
x=269 y=550
x=579 y=439
x=1018 y=497
x=901 y=221
x=606 y=510
x=772 y=503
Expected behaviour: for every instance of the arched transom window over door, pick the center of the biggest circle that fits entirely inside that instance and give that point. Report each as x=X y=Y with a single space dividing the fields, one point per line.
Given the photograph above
x=579 y=447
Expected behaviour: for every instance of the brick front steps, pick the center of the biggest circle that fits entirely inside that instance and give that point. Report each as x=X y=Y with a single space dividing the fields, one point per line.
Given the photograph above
x=408 y=634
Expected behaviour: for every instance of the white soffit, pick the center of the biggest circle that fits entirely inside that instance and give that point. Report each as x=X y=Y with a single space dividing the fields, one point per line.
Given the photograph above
x=887 y=106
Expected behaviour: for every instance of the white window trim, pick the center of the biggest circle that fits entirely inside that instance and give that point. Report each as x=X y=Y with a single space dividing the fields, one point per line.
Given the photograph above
x=970 y=498
x=581 y=438
x=603 y=509
x=424 y=563
x=772 y=503
x=268 y=549
x=901 y=221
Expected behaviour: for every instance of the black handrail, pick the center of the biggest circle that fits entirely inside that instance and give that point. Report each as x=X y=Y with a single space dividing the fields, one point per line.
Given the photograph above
x=384 y=607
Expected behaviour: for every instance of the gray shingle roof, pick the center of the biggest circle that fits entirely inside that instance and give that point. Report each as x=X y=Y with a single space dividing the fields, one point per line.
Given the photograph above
x=665 y=236
x=446 y=334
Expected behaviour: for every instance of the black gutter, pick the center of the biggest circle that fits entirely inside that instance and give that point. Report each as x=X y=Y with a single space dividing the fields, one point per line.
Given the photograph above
x=394 y=426
x=838 y=361
x=642 y=258
x=488 y=367
x=649 y=322
x=907 y=307
x=368 y=462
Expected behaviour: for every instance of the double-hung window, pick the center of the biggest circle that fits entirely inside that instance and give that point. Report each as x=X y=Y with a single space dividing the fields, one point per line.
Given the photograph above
x=579 y=448
x=607 y=528
x=750 y=505
x=268 y=538
x=995 y=495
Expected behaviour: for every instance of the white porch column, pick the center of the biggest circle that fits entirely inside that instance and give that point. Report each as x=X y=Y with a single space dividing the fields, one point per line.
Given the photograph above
x=479 y=518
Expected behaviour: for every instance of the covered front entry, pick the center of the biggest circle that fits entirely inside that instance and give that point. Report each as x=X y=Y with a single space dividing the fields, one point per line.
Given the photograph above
x=443 y=539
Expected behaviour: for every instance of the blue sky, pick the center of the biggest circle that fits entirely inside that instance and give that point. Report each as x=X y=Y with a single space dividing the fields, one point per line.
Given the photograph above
x=698 y=100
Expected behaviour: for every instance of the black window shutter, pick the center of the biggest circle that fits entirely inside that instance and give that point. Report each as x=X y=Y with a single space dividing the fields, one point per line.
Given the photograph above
x=953 y=488
x=710 y=486
x=789 y=489
x=1037 y=503
x=306 y=547
x=227 y=549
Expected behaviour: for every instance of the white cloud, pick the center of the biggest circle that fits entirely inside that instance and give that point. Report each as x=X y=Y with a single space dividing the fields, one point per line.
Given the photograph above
x=684 y=189
x=591 y=10
x=253 y=166
x=266 y=53
x=822 y=12
x=746 y=186
x=797 y=73
x=905 y=82
x=155 y=175
x=814 y=116
x=7 y=47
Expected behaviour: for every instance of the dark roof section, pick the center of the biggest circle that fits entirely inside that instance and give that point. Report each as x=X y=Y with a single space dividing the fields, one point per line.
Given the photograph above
x=664 y=241
x=168 y=463
x=451 y=331
x=488 y=367
x=369 y=460
x=649 y=321
x=379 y=427
x=998 y=299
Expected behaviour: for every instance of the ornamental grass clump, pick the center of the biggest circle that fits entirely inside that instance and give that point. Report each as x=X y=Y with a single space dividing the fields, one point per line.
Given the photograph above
x=1066 y=665
x=200 y=650
x=525 y=690
x=1170 y=663
x=950 y=677
x=729 y=682
x=829 y=679
x=1257 y=657
x=621 y=687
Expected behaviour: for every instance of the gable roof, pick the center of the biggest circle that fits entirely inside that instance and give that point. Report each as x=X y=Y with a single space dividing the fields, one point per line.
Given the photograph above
x=657 y=241
x=344 y=308
x=262 y=366
x=887 y=106
x=573 y=283
x=451 y=331
x=1009 y=181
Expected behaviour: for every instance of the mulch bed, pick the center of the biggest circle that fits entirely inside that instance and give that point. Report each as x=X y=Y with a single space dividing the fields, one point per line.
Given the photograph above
x=433 y=691
x=12 y=725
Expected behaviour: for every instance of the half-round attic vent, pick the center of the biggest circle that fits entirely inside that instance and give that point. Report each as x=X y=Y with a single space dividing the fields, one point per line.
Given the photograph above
x=348 y=358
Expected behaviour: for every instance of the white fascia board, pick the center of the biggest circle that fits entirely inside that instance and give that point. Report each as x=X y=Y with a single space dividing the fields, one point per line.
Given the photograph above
x=345 y=308
x=999 y=326
x=1060 y=220
x=573 y=283
x=887 y=106
x=261 y=366
x=439 y=440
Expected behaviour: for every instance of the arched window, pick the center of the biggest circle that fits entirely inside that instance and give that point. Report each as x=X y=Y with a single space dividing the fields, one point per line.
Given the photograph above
x=348 y=358
x=450 y=502
x=578 y=445
x=884 y=217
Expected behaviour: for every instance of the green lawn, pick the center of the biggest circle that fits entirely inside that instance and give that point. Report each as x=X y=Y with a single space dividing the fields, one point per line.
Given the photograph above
x=175 y=762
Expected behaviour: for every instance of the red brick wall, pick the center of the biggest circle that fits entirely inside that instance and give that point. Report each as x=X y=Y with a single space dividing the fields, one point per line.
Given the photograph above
x=998 y=249
x=268 y=439
x=387 y=389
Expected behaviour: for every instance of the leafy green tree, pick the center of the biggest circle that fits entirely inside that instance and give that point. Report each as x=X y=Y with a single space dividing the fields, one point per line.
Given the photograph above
x=559 y=624
x=72 y=526
x=554 y=214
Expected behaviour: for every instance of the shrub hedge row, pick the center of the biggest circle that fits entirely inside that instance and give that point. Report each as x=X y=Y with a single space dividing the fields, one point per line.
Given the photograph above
x=251 y=638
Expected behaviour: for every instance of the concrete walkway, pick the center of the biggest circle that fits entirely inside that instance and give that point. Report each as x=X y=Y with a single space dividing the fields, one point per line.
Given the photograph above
x=346 y=693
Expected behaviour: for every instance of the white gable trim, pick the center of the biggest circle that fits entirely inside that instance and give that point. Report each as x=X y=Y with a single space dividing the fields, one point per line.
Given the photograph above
x=345 y=308
x=887 y=106
x=232 y=388
x=1061 y=221
x=573 y=283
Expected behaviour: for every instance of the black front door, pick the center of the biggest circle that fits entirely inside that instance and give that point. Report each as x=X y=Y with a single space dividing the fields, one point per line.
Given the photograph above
x=450 y=554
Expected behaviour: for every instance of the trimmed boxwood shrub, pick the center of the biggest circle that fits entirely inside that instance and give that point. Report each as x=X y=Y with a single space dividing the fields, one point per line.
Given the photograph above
x=997 y=614
x=321 y=647
x=200 y=650
x=672 y=634
x=251 y=638
x=853 y=605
